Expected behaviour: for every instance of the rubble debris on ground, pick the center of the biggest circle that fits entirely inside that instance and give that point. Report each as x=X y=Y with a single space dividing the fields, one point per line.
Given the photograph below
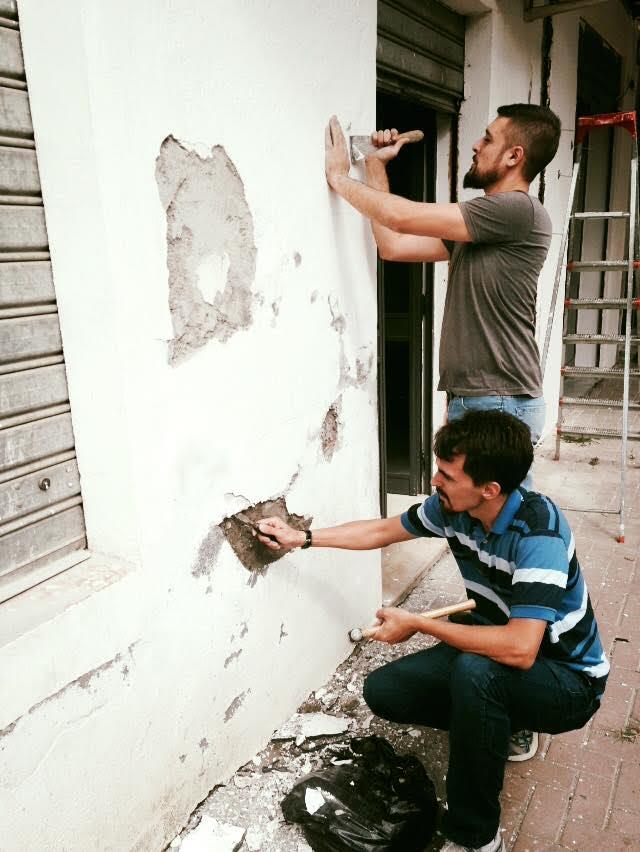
x=251 y=797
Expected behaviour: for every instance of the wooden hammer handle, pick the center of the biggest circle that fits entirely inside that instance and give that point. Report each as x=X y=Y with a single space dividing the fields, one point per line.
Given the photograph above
x=463 y=606
x=412 y=135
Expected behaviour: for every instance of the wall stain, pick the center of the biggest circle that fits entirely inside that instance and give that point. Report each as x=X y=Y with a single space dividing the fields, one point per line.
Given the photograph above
x=84 y=681
x=330 y=430
x=211 y=253
x=283 y=632
x=244 y=629
x=363 y=367
x=235 y=705
x=208 y=552
x=182 y=758
x=204 y=744
x=232 y=657
x=297 y=258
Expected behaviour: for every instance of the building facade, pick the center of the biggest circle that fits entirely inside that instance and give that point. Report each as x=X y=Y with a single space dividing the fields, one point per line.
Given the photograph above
x=195 y=323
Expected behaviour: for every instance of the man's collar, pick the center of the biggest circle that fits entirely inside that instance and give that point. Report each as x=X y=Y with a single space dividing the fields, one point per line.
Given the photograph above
x=507 y=513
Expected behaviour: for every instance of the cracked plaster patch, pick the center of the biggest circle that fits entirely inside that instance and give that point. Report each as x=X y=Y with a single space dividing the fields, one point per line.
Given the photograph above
x=253 y=554
x=211 y=253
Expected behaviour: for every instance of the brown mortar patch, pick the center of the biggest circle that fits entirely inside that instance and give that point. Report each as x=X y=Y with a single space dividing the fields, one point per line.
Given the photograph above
x=254 y=555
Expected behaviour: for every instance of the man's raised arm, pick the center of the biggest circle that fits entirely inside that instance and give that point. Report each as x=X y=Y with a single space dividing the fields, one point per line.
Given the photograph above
x=424 y=225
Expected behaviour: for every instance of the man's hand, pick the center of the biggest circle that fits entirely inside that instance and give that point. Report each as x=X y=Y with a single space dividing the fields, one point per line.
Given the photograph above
x=336 y=155
x=387 y=145
x=396 y=625
x=286 y=537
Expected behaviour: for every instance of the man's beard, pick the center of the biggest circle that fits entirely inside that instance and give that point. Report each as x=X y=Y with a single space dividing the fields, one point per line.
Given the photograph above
x=480 y=180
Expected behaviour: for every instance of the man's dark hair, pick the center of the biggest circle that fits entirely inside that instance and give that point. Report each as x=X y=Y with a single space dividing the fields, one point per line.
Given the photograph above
x=497 y=447
x=537 y=130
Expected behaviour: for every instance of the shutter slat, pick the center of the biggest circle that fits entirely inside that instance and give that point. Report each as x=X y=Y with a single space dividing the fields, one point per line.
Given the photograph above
x=32 y=389
x=420 y=52
x=19 y=172
x=29 y=283
x=22 y=229
x=23 y=496
x=15 y=115
x=11 y=64
x=43 y=539
x=9 y=9
x=24 y=444
x=29 y=337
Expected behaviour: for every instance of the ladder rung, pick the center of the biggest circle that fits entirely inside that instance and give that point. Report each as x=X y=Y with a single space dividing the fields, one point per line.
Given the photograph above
x=576 y=431
x=598 y=338
x=580 y=265
x=596 y=372
x=601 y=214
x=600 y=403
x=599 y=303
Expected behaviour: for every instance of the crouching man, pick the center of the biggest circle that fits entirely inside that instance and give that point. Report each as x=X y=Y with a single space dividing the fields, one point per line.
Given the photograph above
x=530 y=660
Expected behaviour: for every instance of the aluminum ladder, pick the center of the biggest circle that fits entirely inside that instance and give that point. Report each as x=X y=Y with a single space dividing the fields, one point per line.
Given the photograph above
x=626 y=304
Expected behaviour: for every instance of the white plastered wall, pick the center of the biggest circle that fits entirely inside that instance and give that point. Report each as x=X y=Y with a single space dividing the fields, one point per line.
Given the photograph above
x=147 y=684
x=503 y=65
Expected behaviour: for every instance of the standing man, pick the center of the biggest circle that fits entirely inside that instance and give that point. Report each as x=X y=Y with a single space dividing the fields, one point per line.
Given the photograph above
x=496 y=244
x=532 y=658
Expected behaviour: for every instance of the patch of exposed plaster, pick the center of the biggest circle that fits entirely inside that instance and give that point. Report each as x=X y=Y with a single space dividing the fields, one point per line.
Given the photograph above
x=297 y=258
x=330 y=430
x=244 y=629
x=232 y=657
x=314 y=296
x=235 y=705
x=211 y=253
x=283 y=632
x=182 y=758
x=83 y=682
x=208 y=552
x=204 y=744
x=254 y=555
x=363 y=367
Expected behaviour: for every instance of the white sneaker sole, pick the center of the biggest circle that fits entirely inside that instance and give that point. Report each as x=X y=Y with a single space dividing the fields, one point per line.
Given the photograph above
x=518 y=758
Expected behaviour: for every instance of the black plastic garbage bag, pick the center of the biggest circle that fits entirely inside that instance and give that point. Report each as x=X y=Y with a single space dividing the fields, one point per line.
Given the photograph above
x=379 y=802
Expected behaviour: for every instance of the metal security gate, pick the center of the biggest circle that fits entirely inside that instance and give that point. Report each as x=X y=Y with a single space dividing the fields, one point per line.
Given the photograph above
x=420 y=53
x=41 y=520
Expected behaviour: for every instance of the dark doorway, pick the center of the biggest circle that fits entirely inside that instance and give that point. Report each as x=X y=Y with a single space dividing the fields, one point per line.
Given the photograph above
x=405 y=318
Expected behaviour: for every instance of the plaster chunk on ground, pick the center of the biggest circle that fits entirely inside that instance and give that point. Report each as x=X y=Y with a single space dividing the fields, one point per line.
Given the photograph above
x=312 y=725
x=254 y=555
x=211 y=254
x=213 y=836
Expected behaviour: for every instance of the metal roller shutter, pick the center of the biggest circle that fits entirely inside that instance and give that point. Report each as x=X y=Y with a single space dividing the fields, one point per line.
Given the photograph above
x=421 y=52
x=42 y=528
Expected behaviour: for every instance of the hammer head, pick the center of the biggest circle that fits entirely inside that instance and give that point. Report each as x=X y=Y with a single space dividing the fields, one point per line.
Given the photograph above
x=356 y=634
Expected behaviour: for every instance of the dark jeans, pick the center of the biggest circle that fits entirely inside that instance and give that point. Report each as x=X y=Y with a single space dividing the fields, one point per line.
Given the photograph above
x=480 y=702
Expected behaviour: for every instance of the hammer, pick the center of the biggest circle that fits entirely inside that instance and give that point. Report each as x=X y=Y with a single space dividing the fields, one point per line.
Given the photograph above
x=362 y=145
x=357 y=634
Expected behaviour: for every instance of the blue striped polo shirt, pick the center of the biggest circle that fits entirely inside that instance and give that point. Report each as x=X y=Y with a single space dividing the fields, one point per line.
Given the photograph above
x=525 y=567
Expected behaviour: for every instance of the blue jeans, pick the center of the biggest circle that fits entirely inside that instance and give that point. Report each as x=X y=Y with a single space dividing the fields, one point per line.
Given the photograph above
x=480 y=702
x=531 y=410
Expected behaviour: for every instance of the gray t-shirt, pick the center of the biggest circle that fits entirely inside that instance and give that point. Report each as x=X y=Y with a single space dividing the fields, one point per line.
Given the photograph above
x=488 y=345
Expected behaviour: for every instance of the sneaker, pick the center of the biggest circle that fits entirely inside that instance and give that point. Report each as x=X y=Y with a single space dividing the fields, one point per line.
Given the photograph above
x=495 y=845
x=523 y=745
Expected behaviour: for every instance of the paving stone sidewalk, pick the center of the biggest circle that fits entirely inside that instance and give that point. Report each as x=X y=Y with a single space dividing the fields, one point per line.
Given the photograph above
x=582 y=790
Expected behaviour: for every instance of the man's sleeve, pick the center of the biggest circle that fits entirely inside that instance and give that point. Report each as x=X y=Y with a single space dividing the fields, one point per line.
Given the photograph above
x=502 y=218
x=425 y=520
x=540 y=577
